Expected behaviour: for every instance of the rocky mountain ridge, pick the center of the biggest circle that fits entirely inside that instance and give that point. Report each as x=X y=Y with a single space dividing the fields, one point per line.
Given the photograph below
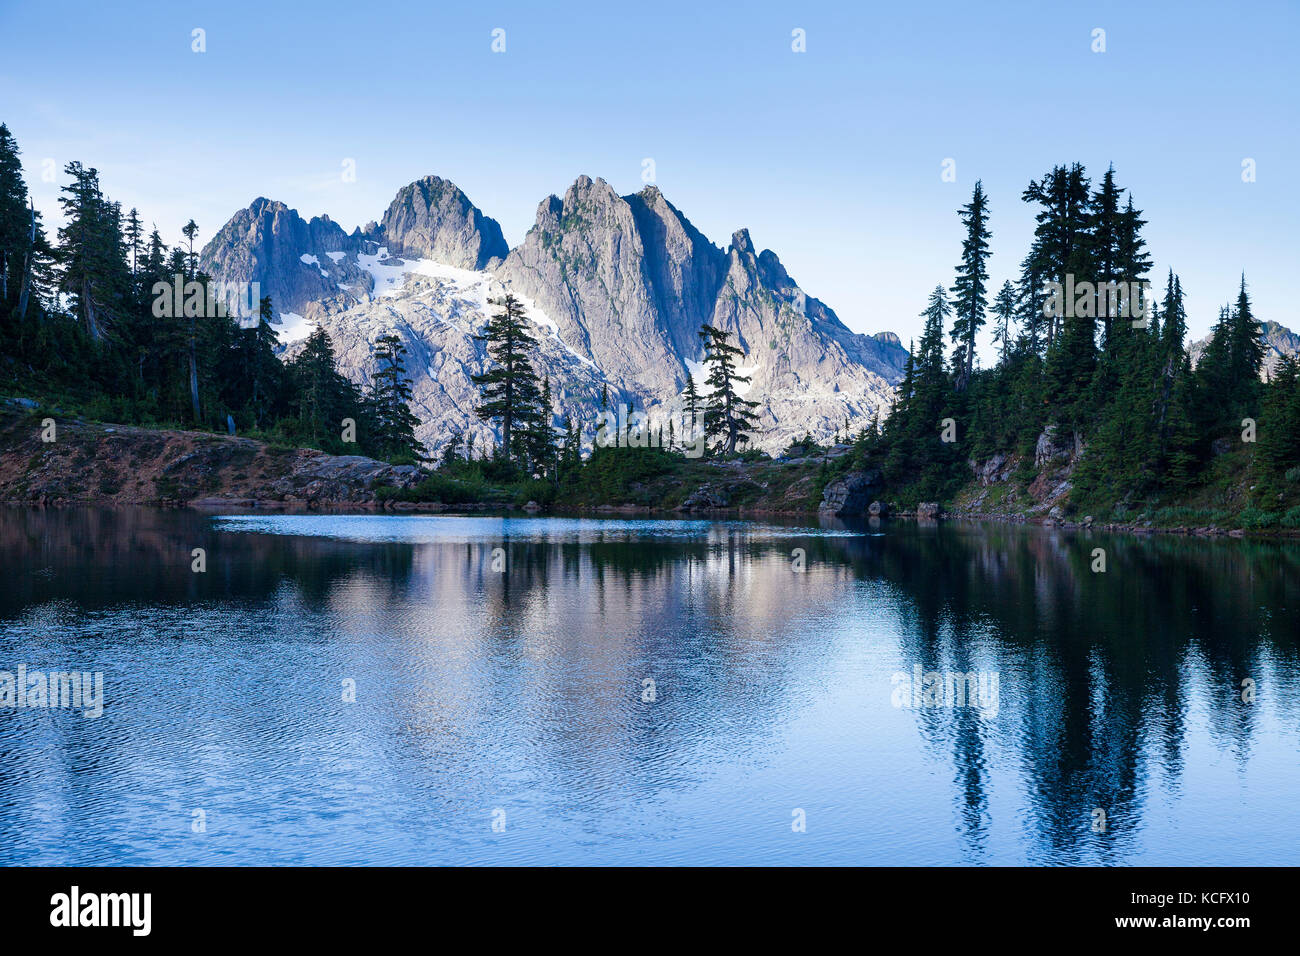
x=616 y=286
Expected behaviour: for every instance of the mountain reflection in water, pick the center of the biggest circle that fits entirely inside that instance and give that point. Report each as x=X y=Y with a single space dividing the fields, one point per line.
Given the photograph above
x=528 y=692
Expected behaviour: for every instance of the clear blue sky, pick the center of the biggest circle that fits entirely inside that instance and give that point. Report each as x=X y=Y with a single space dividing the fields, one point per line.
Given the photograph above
x=832 y=157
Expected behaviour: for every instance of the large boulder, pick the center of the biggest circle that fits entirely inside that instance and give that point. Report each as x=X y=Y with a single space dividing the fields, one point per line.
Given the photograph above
x=851 y=494
x=928 y=510
x=342 y=478
x=705 y=498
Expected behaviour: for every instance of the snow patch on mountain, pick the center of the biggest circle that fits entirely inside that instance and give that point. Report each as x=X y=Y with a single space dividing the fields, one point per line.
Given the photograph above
x=310 y=260
x=293 y=328
x=437 y=310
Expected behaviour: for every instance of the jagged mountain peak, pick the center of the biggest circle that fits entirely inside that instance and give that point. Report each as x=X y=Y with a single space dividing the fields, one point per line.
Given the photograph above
x=432 y=218
x=741 y=244
x=586 y=184
x=262 y=202
x=271 y=244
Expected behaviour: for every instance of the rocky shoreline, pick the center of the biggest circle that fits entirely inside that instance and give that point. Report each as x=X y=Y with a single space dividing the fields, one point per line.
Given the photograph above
x=101 y=464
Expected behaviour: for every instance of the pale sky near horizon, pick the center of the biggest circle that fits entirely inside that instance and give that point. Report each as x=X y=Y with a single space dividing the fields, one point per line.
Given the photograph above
x=831 y=157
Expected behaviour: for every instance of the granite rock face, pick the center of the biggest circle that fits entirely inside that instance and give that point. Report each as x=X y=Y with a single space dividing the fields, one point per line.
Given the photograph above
x=630 y=280
x=270 y=244
x=617 y=288
x=584 y=263
x=1052 y=446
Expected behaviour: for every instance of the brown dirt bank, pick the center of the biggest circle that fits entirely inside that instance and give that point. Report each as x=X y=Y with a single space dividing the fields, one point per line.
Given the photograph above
x=91 y=462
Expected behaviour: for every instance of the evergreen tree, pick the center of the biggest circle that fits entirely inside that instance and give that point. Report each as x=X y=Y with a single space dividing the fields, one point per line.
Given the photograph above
x=931 y=382
x=389 y=402
x=155 y=261
x=728 y=418
x=691 y=398
x=94 y=273
x=918 y=458
x=1068 y=371
x=15 y=221
x=540 y=450
x=1279 y=424
x=1133 y=260
x=571 y=449
x=1174 y=317
x=1060 y=244
x=510 y=389
x=451 y=451
x=1227 y=386
x=26 y=267
x=256 y=376
x=1004 y=309
x=1246 y=351
x=134 y=238
x=322 y=397
x=970 y=291
x=1106 y=229
x=189 y=231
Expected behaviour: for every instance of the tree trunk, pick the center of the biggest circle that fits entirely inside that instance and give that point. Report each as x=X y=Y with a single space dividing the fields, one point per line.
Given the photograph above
x=194 y=382
x=88 y=310
x=27 y=268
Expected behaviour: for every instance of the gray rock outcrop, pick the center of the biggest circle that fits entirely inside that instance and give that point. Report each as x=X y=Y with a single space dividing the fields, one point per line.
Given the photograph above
x=342 y=478
x=850 y=495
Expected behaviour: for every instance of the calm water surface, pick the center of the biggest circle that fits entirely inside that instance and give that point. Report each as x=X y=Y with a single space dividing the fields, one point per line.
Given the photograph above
x=519 y=696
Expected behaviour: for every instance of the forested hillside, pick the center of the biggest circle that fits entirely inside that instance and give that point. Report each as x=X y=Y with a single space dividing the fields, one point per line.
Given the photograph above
x=1091 y=371
x=80 y=323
